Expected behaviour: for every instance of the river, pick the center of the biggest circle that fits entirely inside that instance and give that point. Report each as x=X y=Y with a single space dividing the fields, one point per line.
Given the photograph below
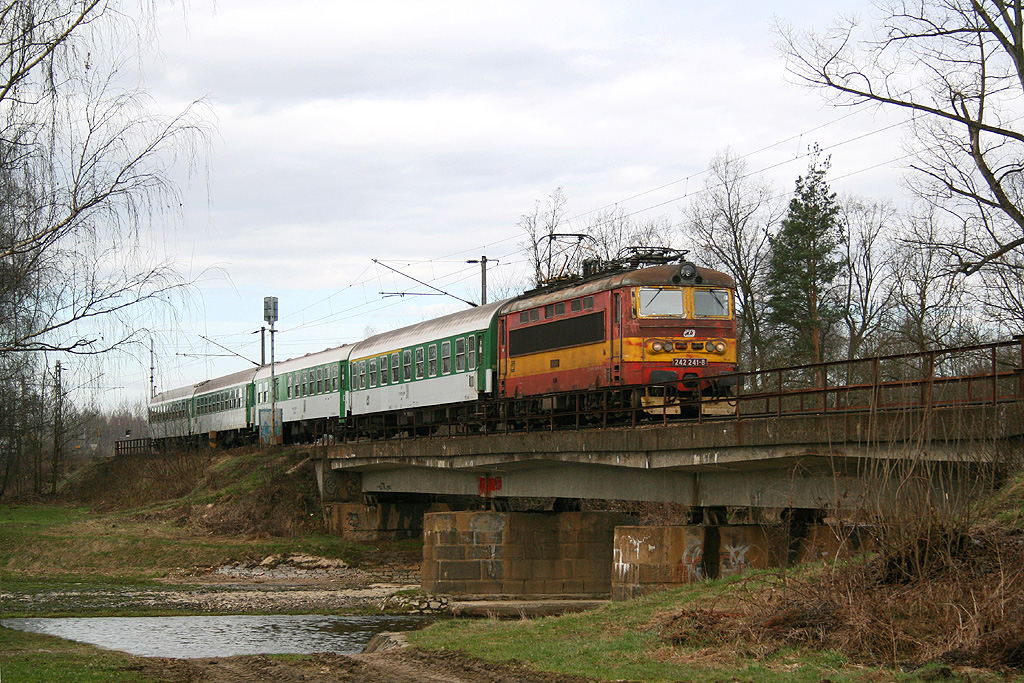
x=222 y=636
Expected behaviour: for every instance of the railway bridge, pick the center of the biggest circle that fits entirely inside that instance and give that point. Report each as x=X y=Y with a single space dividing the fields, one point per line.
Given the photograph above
x=843 y=443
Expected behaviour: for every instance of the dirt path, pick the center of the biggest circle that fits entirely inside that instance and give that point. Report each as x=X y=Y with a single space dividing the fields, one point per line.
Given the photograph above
x=393 y=666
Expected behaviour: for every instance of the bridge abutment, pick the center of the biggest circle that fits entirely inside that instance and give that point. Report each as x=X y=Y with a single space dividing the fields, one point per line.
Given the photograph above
x=654 y=558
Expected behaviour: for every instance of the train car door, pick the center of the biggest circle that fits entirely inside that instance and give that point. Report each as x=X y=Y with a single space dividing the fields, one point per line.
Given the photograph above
x=615 y=353
x=502 y=356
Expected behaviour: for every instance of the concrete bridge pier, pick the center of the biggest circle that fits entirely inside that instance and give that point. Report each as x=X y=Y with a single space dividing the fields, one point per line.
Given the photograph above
x=602 y=554
x=520 y=554
x=357 y=516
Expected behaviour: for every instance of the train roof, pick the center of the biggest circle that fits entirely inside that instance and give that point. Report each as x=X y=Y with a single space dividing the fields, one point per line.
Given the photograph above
x=654 y=276
x=332 y=355
x=232 y=380
x=173 y=395
x=463 y=322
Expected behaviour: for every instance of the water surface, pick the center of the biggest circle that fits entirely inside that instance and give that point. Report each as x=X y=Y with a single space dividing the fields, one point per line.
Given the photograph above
x=222 y=636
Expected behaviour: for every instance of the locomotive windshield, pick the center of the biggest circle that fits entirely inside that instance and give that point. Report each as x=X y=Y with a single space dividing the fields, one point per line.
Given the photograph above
x=660 y=301
x=710 y=303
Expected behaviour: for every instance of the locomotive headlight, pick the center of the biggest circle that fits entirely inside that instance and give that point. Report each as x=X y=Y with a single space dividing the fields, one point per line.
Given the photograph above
x=657 y=346
x=717 y=347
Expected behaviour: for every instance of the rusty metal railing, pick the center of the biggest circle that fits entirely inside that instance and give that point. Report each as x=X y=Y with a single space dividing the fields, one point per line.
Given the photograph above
x=969 y=375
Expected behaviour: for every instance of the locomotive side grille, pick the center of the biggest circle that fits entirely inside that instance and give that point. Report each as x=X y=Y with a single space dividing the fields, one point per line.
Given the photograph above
x=560 y=334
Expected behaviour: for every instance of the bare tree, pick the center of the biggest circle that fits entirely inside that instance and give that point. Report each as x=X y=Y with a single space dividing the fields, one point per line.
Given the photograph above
x=731 y=222
x=614 y=230
x=85 y=170
x=86 y=176
x=867 y=273
x=540 y=226
x=931 y=306
x=1003 y=294
x=957 y=66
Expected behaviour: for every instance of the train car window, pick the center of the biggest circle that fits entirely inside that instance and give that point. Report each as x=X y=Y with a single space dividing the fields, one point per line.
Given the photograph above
x=419 y=362
x=446 y=358
x=362 y=374
x=394 y=368
x=288 y=386
x=305 y=380
x=660 y=302
x=576 y=306
x=460 y=354
x=383 y=365
x=472 y=352
x=711 y=303
x=406 y=366
x=524 y=317
x=549 y=311
x=319 y=380
x=373 y=372
x=588 y=303
x=535 y=315
x=560 y=308
x=432 y=360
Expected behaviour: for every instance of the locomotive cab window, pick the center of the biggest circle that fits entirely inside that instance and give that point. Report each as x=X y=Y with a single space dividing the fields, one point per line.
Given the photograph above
x=657 y=302
x=711 y=303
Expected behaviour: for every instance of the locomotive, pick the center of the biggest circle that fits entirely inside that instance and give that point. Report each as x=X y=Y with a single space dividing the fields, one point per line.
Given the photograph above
x=651 y=330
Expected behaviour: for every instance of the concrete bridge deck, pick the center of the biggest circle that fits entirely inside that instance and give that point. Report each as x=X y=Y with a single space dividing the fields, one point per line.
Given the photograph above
x=805 y=461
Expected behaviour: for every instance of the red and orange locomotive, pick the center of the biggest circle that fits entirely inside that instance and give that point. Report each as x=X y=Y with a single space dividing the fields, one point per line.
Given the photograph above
x=662 y=333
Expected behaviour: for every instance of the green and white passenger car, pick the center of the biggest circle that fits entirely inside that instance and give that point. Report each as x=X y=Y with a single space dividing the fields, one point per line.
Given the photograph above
x=223 y=408
x=434 y=363
x=310 y=393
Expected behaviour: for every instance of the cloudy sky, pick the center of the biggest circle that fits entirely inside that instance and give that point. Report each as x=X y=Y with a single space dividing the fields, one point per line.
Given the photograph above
x=416 y=133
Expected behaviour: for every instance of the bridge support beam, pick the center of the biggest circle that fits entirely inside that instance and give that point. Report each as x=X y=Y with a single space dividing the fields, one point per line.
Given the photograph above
x=522 y=554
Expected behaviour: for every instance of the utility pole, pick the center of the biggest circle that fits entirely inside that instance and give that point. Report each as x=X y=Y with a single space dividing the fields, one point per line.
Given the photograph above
x=152 y=370
x=270 y=315
x=58 y=418
x=483 y=261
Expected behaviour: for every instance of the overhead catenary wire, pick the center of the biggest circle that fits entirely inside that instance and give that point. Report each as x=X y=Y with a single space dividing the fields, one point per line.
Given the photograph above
x=370 y=306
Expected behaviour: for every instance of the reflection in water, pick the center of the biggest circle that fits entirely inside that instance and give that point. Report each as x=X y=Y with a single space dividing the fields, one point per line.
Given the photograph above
x=224 y=636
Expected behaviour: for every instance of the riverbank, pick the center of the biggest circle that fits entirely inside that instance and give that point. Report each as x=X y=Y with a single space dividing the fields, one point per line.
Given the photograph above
x=943 y=605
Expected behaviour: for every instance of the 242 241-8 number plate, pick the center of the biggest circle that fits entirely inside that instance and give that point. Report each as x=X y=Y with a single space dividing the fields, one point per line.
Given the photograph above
x=689 y=362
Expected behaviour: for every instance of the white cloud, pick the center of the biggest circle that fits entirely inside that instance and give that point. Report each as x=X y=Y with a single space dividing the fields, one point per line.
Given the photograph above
x=413 y=131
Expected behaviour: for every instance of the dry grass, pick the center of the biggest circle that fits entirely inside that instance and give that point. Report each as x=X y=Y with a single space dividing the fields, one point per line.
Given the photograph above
x=246 y=493
x=957 y=599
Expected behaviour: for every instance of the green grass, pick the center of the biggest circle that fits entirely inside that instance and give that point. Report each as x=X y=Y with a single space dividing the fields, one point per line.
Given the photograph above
x=33 y=658
x=623 y=641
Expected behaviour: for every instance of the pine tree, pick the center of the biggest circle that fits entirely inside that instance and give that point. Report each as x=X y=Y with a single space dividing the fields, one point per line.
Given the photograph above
x=804 y=262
